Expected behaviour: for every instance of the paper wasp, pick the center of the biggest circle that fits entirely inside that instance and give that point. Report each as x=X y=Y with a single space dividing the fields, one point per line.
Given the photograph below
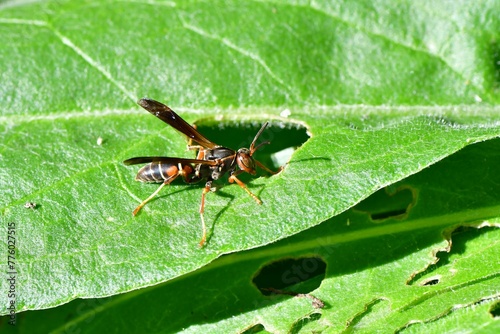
x=212 y=160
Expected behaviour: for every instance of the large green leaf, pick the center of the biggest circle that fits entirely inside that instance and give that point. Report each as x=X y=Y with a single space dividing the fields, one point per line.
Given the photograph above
x=384 y=90
x=378 y=278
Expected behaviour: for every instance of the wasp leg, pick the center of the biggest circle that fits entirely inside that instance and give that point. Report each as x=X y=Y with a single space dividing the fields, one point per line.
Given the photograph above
x=195 y=147
x=192 y=147
x=207 y=188
x=167 y=181
x=233 y=178
x=258 y=163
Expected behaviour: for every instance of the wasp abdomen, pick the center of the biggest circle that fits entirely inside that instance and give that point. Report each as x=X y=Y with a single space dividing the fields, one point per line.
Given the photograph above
x=157 y=172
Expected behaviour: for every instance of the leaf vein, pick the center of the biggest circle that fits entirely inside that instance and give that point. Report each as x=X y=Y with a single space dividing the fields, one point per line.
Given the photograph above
x=238 y=49
x=95 y=64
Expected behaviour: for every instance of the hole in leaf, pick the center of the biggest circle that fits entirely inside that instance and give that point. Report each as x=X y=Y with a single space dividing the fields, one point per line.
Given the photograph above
x=284 y=138
x=302 y=324
x=386 y=203
x=258 y=328
x=460 y=236
x=495 y=310
x=430 y=281
x=371 y=312
x=300 y=275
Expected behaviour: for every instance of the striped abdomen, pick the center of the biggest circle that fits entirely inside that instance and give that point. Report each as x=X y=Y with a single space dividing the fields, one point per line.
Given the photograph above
x=160 y=171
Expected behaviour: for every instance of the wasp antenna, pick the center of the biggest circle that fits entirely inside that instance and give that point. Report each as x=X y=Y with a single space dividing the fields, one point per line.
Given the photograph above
x=252 y=150
x=252 y=146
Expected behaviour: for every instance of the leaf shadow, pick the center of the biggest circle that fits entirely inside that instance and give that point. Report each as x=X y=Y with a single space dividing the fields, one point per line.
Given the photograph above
x=459 y=237
x=220 y=212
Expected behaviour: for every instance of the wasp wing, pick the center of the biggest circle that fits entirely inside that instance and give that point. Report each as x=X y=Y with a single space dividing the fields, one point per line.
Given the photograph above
x=167 y=115
x=142 y=160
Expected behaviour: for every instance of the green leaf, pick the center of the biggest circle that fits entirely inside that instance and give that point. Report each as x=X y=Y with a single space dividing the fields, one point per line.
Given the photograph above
x=384 y=91
x=380 y=273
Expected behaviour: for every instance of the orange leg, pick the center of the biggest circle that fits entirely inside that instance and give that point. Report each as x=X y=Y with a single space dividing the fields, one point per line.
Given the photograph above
x=233 y=178
x=202 y=209
x=192 y=147
x=180 y=171
x=267 y=169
